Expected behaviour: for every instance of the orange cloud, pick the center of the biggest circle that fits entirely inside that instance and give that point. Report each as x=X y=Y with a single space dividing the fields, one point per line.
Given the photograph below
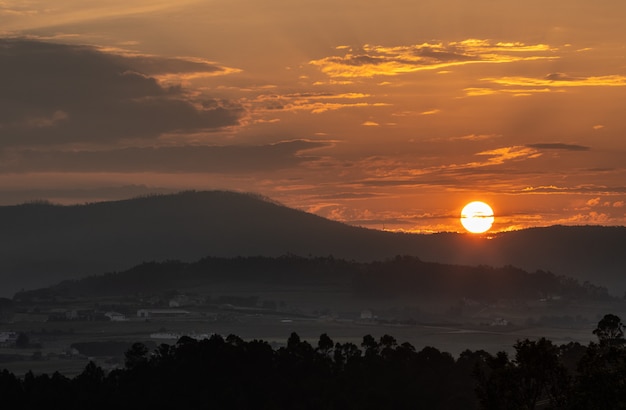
x=477 y=92
x=315 y=103
x=375 y=60
x=593 y=202
x=475 y=137
x=561 y=80
x=501 y=155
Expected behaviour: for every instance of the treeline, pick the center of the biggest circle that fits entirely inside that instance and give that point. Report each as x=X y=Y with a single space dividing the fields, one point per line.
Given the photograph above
x=402 y=275
x=412 y=276
x=231 y=373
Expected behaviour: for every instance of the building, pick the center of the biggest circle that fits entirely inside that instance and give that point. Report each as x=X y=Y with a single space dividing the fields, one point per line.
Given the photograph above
x=8 y=337
x=367 y=315
x=116 y=317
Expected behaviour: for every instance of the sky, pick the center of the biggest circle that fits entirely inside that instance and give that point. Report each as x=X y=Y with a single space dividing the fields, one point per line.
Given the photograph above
x=384 y=114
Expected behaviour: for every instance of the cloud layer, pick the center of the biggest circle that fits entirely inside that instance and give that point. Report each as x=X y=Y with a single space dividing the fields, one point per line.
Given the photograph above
x=54 y=94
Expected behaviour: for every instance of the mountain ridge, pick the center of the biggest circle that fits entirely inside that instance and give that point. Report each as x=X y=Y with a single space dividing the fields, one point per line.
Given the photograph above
x=42 y=244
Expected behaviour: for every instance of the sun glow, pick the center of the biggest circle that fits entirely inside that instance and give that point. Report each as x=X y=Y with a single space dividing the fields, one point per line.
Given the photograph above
x=477 y=217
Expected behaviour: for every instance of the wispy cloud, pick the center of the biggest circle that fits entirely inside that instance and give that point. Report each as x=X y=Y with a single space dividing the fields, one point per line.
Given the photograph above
x=588 y=189
x=377 y=60
x=315 y=103
x=475 y=137
x=518 y=92
x=560 y=80
x=559 y=146
x=168 y=69
x=504 y=154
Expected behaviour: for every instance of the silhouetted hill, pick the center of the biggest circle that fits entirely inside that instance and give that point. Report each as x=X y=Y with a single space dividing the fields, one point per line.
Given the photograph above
x=392 y=278
x=41 y=244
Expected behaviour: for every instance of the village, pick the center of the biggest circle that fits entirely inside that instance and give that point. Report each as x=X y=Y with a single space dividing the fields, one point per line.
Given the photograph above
x=41 y=333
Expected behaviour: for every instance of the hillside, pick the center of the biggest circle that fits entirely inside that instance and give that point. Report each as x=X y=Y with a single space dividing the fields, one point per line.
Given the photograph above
x=390 y=279
x=42 y=244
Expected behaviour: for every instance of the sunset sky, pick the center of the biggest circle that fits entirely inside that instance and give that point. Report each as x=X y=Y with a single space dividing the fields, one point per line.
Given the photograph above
x=384 y=114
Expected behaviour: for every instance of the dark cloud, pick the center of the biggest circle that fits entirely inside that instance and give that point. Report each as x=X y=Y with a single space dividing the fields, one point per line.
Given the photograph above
x=214 y=159
x=54 y=93
x=560 y=77
x=155 y=65
x=559 y=146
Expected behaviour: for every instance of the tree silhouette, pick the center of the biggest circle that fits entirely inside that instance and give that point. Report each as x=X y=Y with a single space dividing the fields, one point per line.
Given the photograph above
x=136 y=355
x=610 y=331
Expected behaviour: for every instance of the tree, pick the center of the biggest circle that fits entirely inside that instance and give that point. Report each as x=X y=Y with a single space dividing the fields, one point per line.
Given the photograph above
x=540 y=373
x=610 y=331
x=325 y=344
x=370 y=346
x=535 y=374
x=136 y=355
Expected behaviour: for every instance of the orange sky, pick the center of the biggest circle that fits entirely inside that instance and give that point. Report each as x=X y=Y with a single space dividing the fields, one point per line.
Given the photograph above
x=385 y=114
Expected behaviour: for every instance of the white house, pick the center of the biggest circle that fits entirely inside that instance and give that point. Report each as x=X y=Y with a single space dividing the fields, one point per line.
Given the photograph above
x=8 y=337
x=115 y=317
x=367 y=315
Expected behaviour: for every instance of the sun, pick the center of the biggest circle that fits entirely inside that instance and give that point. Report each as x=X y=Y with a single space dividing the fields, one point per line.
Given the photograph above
x=477 y=217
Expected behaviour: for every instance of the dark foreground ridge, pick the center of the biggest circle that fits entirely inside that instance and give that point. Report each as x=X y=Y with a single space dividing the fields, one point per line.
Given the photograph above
x=235 y=374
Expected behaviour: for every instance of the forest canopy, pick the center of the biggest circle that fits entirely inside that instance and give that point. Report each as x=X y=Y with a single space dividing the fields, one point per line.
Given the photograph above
x=230 y=373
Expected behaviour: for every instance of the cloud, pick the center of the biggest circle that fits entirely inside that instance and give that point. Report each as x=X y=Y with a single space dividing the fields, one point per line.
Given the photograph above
x=55 y=94
x=375 y=60
x=559 y=146
x=561 y=80
x=579 y=189
x=475 y=137
x=209 y=159
x=593 y=218
x=315 y=103
x=501 y=155
x=167 y=68
x=593 y=202
x=516 y=92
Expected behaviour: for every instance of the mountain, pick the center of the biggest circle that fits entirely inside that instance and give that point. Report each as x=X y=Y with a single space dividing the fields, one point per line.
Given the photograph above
x=41 y=244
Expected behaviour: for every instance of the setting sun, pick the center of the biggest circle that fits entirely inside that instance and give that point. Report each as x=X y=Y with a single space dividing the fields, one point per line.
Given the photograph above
x=477 y=217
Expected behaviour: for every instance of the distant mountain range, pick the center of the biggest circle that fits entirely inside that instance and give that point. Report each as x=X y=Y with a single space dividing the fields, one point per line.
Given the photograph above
x=41 y=244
